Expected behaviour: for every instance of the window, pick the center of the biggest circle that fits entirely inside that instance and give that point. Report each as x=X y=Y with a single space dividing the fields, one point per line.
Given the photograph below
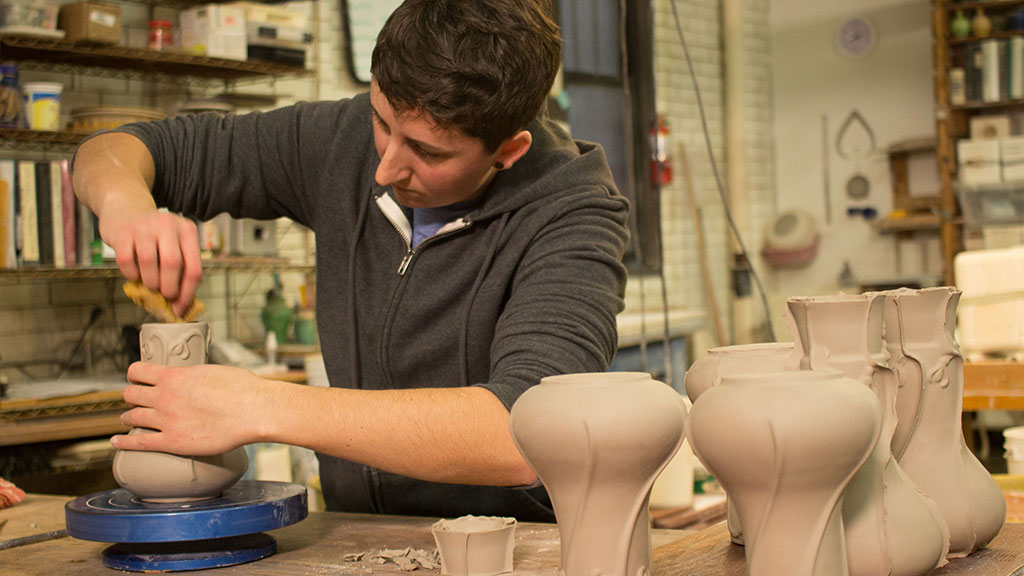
x=609 y=79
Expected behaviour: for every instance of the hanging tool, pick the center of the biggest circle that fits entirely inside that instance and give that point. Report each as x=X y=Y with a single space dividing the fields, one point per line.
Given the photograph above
x=698 y=222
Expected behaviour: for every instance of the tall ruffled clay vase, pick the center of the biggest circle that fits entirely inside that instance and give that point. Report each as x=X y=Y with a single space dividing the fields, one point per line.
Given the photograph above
x=892 y=527
x=708 y=370
x=598 y=441
x=910 y=389
x=936 y=456
x=785 y=445
x=163 y=477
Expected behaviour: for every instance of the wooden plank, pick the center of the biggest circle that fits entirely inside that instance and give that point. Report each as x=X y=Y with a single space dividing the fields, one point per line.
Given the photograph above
x=993 y=386
x=60 y=428
x=711 y=553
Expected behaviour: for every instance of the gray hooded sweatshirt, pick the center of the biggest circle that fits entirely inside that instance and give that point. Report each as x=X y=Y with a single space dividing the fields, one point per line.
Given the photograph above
x=527 y=284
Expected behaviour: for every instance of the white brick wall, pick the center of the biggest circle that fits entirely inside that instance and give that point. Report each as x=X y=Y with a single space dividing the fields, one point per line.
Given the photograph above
x=40 y=320
x=677 y=99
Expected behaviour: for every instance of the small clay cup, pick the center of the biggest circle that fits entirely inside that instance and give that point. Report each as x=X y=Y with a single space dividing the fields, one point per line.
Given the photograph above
x=475 y=545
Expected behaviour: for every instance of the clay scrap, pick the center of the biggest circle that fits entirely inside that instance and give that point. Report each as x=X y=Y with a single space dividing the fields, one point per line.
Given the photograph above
x=157 y=306
x=407 y=559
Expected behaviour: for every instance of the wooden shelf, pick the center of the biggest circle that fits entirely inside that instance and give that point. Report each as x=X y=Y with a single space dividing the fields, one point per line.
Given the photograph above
x=120 y=61
x=241 y=264
x=909 y=223
x=993 y=386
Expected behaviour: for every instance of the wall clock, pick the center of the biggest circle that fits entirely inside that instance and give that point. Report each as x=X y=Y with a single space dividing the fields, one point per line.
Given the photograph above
x=856 y=38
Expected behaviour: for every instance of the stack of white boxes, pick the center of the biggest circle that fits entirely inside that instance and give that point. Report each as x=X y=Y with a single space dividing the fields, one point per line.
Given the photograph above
x=991 y=182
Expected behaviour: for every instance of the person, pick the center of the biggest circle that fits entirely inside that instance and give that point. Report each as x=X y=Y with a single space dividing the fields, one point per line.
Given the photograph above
x=466 y=247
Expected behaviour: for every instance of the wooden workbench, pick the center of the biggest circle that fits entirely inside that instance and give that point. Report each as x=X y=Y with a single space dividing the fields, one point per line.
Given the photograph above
x=318 y=545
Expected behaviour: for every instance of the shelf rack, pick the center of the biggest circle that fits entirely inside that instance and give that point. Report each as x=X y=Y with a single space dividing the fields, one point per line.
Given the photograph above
x=233 y=264
x=134 y=63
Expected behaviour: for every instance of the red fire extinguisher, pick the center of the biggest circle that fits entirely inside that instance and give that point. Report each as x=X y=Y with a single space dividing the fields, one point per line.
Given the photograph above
x=661 y=162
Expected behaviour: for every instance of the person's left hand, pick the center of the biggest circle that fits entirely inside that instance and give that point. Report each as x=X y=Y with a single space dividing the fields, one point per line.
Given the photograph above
x=196 y=411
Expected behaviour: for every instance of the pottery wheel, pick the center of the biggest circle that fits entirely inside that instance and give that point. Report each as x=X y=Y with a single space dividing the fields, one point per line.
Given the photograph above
x=158 y=537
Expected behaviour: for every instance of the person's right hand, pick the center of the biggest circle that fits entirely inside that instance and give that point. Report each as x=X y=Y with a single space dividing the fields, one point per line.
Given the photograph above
x=159 y=248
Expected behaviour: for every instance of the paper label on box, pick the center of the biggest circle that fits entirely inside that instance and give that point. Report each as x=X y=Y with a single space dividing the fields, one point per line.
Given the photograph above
x=103 y=18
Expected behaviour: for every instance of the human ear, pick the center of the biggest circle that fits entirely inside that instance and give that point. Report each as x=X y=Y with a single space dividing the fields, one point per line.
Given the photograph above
x=512 y=149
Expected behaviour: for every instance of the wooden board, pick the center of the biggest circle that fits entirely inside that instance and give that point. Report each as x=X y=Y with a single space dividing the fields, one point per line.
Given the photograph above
x=315 y=546
x=318 y=545
x=710 y=553
x=993 y=386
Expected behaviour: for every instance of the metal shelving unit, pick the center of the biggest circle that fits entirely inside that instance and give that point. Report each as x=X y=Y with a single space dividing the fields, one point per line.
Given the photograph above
x=240 y=264
x=133 y=63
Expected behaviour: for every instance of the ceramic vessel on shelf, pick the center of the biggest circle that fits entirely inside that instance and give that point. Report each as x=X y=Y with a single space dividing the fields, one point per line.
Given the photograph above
x=475 y=545
x=891 y=526
x=960 y=26
x=708 y=370
x=751 y=432
x=163 y=477
x=981 y=25
x=934 y=453
x=597 y=442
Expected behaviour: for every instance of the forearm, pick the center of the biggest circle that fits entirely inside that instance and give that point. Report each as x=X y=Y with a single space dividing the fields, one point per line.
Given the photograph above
x=456 y=435
x=114 y=169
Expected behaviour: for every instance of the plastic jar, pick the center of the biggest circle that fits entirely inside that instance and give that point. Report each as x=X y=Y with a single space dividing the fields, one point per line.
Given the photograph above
x=42 y=104
x=11 y=104
x=161 y=34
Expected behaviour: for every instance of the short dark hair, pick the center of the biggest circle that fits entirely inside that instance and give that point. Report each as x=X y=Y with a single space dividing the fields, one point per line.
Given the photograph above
x=483 y=66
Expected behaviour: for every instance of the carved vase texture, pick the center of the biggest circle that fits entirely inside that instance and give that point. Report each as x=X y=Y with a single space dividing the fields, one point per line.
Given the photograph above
x=785 y=445
x=708 y=370
x=163 y=477
x=597 y=442
x=920 y=327
x=891 y=526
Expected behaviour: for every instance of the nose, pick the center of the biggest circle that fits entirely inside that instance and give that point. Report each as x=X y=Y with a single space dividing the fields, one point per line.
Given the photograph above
x=392 y=167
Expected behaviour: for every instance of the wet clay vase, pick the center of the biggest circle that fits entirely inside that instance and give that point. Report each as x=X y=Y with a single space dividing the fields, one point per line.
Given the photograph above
x=597 y=442
x=757 y=434
x=908 y=375
x=163 y=477
x=935 y=455
x=708 y=370
x=891 y=527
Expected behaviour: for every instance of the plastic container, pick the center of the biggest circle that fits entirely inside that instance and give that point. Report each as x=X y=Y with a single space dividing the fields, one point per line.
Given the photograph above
x=1013 y=444
x=985 y=204
x=161 y=34
x=42 y=105
x=11 y=110
x=95 y=118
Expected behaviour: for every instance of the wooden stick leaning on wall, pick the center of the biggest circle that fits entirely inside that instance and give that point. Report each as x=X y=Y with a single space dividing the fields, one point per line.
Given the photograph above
x=698 y=222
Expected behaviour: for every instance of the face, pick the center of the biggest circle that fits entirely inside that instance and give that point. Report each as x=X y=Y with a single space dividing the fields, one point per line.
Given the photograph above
x=425 y=165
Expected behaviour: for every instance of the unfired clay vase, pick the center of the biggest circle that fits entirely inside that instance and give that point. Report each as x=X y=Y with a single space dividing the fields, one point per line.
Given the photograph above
x=785 y=445
x=891 y=526
x=162 y=477
x=935 y=455
x=708 y=370
x=475 y=545
x=597 y=442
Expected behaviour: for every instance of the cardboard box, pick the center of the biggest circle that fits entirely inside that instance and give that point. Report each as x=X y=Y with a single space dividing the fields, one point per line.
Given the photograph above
x=979 y=161
x=214 y=30
x=90 y=22
x=1011 y=153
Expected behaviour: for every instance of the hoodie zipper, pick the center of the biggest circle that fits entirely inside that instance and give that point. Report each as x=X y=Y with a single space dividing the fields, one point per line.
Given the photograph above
x=401 y=224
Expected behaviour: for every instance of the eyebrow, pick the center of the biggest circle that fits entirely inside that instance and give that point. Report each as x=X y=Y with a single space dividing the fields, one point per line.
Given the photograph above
x=422 y=145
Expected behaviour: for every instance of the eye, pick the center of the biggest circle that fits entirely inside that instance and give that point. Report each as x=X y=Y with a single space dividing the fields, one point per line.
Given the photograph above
x=433 y=156
x=380 y=122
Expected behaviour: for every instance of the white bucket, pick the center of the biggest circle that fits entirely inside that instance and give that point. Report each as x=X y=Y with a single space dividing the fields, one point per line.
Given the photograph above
x=1013 y=445
x=42 y=105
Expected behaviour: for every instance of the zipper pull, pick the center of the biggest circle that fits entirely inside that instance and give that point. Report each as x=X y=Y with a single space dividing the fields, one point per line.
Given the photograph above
x=405 y=263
